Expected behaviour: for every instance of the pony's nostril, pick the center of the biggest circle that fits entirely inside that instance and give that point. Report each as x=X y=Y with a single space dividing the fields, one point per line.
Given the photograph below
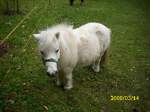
x=48 y=74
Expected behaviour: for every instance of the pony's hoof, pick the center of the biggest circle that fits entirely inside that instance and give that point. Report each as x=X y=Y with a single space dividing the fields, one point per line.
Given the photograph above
x=96 y=68
x=58 y=83
x=68 y=87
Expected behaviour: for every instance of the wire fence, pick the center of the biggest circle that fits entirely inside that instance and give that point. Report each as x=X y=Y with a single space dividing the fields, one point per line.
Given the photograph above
x=12 y=7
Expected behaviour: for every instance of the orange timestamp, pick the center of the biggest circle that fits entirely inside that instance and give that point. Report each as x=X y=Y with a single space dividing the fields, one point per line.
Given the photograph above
x=124 y=98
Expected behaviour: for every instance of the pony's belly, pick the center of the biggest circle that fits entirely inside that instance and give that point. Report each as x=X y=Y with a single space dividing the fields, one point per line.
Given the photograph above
x=88 y=50
x=88 y=54
x=87 y=59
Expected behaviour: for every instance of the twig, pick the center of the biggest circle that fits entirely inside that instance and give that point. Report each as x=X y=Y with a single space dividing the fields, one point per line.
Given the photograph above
x=14 y=29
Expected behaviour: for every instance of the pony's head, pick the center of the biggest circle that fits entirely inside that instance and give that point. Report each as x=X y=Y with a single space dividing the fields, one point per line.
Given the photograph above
x=48 y=43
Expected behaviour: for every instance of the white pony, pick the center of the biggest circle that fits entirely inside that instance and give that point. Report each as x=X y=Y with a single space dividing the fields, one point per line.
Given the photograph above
x=63 y=48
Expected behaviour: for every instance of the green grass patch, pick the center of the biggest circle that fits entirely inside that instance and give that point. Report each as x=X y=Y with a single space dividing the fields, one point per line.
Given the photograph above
x=24 y=86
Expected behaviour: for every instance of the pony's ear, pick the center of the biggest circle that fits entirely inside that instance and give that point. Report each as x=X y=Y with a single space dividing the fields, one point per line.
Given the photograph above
x=37 y=36
x=57 y=35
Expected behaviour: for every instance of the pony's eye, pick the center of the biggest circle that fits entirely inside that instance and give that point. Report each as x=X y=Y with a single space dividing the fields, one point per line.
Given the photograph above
x=42 y=53
x=57 y=50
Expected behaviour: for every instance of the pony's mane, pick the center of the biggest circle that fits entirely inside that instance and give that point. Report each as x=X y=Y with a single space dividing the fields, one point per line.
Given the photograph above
x=60 y=27
x=53 y=30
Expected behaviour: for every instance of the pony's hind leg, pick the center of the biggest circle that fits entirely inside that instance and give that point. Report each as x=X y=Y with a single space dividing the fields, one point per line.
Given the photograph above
x=104 y=58
x=71 y=2
x=96 y=66
x=101 y=61
x=82 y=1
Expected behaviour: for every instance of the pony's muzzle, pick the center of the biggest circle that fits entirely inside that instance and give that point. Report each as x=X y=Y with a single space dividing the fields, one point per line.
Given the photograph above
x=51 y=67
x=52 y=73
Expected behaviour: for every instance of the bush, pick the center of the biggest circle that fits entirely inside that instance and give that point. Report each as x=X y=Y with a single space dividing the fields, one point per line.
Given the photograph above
x=10 y=7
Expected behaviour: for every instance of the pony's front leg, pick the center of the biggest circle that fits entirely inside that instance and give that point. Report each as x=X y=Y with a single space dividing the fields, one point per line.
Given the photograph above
x=58 y=83
x=59 y=78
x=68 y=81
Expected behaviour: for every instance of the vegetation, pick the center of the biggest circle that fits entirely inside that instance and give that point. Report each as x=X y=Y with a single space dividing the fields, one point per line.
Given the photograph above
x=24 y=85
x=11 y=7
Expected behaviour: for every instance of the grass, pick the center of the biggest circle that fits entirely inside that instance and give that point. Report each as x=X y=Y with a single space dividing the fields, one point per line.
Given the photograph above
x=24 y=87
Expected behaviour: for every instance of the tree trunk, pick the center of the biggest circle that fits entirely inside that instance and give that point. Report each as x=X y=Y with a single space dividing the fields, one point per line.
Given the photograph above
x=18 y=9
x=7 y=6
x=12 y=7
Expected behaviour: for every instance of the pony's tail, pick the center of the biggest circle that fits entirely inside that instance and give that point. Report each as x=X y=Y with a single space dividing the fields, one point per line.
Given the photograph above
x=104 y=35
x=107 y=35
x=107 y=39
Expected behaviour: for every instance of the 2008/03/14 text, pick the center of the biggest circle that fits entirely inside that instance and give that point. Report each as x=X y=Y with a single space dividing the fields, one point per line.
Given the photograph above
x=124 y=98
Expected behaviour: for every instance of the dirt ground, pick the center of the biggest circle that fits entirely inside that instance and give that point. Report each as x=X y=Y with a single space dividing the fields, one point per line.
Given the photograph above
x=4 y=48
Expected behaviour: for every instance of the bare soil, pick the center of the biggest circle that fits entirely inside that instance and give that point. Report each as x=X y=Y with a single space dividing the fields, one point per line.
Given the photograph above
x=4 y=48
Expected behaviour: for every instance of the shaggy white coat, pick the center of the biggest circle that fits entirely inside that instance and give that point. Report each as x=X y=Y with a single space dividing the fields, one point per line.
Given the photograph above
x=81 y=46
